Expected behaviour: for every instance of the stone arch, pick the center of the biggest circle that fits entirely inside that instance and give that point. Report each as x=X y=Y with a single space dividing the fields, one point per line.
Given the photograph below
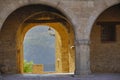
x=11 y=33
x=103 y=50
x=10 y=8
x=96 y=14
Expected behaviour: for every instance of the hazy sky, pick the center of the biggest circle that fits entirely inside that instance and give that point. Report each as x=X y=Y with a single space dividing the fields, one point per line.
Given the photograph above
x=39 y=46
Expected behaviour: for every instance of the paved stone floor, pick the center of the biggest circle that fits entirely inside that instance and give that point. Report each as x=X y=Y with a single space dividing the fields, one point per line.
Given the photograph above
x=61 y=77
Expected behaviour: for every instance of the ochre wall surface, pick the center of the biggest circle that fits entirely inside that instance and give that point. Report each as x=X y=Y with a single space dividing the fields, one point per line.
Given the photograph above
x=64 y=40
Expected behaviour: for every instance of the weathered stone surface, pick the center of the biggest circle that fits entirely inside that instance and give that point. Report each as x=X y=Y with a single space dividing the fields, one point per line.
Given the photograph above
x=81 y=13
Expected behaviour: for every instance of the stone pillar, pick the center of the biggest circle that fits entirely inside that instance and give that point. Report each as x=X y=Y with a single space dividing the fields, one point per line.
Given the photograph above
x=82 y=63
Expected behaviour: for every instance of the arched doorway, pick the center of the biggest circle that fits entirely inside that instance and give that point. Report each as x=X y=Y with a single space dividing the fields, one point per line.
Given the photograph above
x=39 y=50
x=105 y=39
x=25 y=18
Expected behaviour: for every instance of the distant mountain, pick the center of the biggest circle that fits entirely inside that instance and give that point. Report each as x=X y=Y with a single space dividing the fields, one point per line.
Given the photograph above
x=39 y=47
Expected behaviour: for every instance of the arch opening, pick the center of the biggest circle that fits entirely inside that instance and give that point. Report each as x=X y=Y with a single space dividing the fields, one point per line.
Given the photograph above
x=105 y=39
x=39 y=50
x=20 y=21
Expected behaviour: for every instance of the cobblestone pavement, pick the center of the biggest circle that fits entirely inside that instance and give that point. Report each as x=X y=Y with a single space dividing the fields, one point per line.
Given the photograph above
x=61 y=77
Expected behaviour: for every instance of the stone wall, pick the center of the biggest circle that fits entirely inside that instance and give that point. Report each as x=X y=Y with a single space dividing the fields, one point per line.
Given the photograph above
x=81 y=13
x=38 y=69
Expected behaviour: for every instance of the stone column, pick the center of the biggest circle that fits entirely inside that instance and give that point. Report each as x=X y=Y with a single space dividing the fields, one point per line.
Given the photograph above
x=82 y=63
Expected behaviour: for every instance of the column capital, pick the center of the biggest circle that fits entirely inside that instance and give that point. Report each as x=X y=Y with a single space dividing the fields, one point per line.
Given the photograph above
x=82 y=42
